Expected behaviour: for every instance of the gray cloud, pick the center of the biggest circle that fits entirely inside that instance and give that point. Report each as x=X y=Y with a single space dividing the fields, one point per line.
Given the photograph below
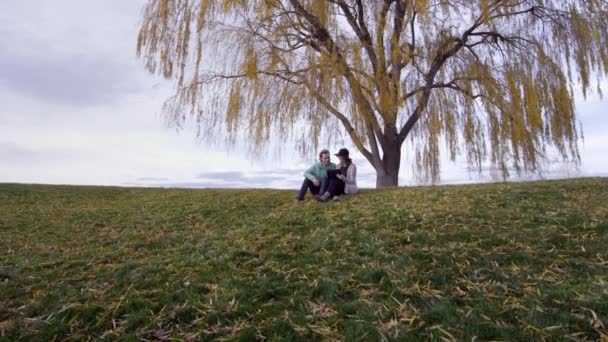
x=70 y=93
x=54 y=54
x=75 y=80
x=208 y=184
x=262 y=179
x=274 y=178
x=221 y=175
x=197 y=185
x=254 y=176
x=11 y=153
x=281 y=178
x=284 y=171
x=241 y=179
x=152 y=179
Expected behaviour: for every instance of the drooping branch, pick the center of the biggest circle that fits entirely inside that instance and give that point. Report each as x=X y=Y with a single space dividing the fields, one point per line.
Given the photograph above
x=443 y=56
x=322 y=35
x=344 y=120
x=438 y=62
x=360 y=29
x=492 y=77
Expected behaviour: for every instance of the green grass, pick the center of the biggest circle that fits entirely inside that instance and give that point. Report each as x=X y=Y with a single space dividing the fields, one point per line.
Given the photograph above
x=521 y=261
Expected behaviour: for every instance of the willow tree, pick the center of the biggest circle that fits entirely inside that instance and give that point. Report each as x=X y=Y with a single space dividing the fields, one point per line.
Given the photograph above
x=492 y=80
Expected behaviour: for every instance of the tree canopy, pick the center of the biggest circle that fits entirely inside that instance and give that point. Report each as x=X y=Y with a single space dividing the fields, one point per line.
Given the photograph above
x=492 y=80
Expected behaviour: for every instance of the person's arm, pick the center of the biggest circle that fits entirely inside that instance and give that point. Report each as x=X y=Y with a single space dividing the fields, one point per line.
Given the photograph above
x=311 y=173
x=351 y=175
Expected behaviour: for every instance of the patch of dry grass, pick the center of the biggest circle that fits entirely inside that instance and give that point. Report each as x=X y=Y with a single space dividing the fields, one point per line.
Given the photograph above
x=520 y=261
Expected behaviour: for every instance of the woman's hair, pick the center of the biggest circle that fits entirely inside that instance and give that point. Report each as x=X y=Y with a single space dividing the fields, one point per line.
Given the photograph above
x=348 y=161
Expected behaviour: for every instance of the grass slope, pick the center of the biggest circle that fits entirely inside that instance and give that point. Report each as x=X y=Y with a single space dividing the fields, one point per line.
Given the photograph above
x=522 y=261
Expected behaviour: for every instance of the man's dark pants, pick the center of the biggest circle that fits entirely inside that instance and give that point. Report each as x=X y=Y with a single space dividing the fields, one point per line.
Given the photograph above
x=336 y=187
x=309 y=185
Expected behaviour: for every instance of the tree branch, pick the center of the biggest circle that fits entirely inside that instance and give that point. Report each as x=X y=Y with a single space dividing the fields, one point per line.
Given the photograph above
x=436 y=65
x=343 y=119
x=321 y=34
x=361 y=31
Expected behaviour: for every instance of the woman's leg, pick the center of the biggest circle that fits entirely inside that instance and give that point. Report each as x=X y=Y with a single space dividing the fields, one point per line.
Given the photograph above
x=333 y=187
x=339 y=188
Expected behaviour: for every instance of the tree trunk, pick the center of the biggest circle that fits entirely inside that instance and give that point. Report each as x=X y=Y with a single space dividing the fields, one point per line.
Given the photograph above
x=386 y=180
x=388 y=174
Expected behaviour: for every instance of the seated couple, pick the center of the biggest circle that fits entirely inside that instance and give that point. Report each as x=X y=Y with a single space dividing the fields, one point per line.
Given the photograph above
x=327 y=181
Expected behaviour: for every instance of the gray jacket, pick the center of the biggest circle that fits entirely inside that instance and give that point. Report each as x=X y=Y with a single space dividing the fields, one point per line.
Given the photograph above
x=350 y=180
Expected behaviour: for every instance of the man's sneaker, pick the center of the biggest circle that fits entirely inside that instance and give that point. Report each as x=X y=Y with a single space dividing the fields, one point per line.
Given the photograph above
x=336 y=198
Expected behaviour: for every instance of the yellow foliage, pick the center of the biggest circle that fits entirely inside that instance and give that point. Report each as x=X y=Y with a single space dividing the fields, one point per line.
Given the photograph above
x=496 y=81
x=250 y=66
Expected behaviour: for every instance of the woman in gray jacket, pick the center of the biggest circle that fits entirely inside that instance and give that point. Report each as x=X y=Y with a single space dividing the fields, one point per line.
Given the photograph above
x=345 y=182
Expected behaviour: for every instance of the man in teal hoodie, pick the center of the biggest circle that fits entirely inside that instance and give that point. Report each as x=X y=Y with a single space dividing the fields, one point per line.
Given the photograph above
x=315 y=178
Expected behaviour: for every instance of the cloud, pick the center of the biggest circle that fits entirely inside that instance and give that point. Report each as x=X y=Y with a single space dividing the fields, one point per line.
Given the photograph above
x=192 y=185
x=262 y=179
x=221 y=175
x=152 y=179
x=11 y=153
x=265 y=176
x=252 y=182
x=283 y=171
x=68 y=61
x=79 y=108
x=72 y=80
x=273 y=178
x=279 y=178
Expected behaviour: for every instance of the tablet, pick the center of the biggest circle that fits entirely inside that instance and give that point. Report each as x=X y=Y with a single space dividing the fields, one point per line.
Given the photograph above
x=333 y=173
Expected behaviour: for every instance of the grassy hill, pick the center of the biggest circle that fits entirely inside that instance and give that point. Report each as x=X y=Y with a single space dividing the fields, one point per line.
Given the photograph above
x=522 y=261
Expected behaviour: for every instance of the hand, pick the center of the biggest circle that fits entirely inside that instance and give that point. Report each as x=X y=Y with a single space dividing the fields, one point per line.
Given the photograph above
x=340 y=177
x=315 y=182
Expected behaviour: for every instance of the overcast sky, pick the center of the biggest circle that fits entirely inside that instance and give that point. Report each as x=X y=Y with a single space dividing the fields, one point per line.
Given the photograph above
x=77 y=107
